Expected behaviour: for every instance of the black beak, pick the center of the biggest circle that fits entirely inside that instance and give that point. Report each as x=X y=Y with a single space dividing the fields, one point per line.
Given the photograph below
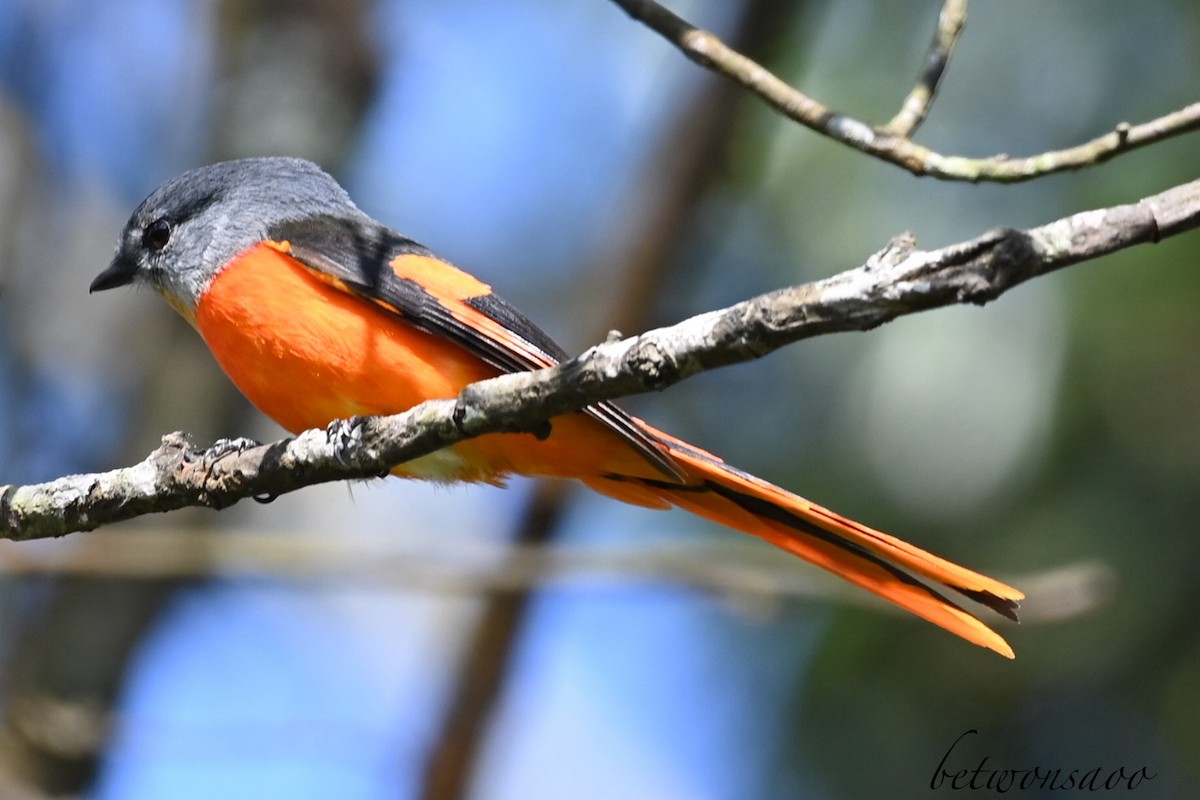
x=119 y=273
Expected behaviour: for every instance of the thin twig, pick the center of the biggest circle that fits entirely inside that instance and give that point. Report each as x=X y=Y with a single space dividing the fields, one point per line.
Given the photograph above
x=912 y=112
x=896 y=281
x=710 y=52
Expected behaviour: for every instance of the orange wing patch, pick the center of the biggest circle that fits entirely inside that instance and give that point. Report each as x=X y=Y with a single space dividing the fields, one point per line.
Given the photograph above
x=453 y=288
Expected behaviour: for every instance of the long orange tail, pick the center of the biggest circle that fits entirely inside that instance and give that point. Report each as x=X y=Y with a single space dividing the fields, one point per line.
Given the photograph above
x=872 y=559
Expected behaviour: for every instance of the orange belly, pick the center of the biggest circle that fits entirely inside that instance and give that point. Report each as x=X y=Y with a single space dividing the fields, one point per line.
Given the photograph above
x=306 y=353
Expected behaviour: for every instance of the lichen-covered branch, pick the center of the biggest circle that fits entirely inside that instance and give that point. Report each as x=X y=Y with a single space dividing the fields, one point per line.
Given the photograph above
x=891 y=144
x=898 y=280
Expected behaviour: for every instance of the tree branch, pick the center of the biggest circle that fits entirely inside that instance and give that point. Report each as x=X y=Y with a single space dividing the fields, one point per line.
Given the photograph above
x=888 y=145
x=896 y=281
x=912 y=112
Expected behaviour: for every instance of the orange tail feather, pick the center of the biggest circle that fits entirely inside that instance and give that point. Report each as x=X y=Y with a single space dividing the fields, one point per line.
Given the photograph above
x=864 y=556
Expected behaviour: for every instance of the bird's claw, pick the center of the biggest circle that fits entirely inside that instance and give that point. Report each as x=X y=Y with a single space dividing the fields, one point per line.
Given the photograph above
x=344 y=435
x=222 y=449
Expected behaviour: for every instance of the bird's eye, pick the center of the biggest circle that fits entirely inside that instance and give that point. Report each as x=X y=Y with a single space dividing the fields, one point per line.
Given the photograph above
x=157 y=234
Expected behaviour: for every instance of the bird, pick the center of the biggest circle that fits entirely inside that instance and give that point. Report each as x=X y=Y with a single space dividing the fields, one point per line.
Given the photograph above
x=317 y=313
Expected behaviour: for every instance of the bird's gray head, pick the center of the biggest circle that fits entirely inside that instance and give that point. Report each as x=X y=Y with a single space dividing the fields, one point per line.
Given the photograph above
x=181 y=236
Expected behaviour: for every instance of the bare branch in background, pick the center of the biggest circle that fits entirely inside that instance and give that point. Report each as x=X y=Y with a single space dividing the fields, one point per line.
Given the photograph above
x=710 y=52
x=747 y=572
x=896 y=281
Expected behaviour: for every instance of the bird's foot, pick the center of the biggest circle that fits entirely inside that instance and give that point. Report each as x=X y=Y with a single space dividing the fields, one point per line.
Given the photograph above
x=222 y=449
x=345 y=435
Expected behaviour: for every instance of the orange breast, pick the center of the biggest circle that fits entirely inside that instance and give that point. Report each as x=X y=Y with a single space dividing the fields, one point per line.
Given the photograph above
x=305 y=353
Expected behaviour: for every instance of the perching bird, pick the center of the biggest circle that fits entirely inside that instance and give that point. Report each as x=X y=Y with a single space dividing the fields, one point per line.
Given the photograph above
x=318 y=312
